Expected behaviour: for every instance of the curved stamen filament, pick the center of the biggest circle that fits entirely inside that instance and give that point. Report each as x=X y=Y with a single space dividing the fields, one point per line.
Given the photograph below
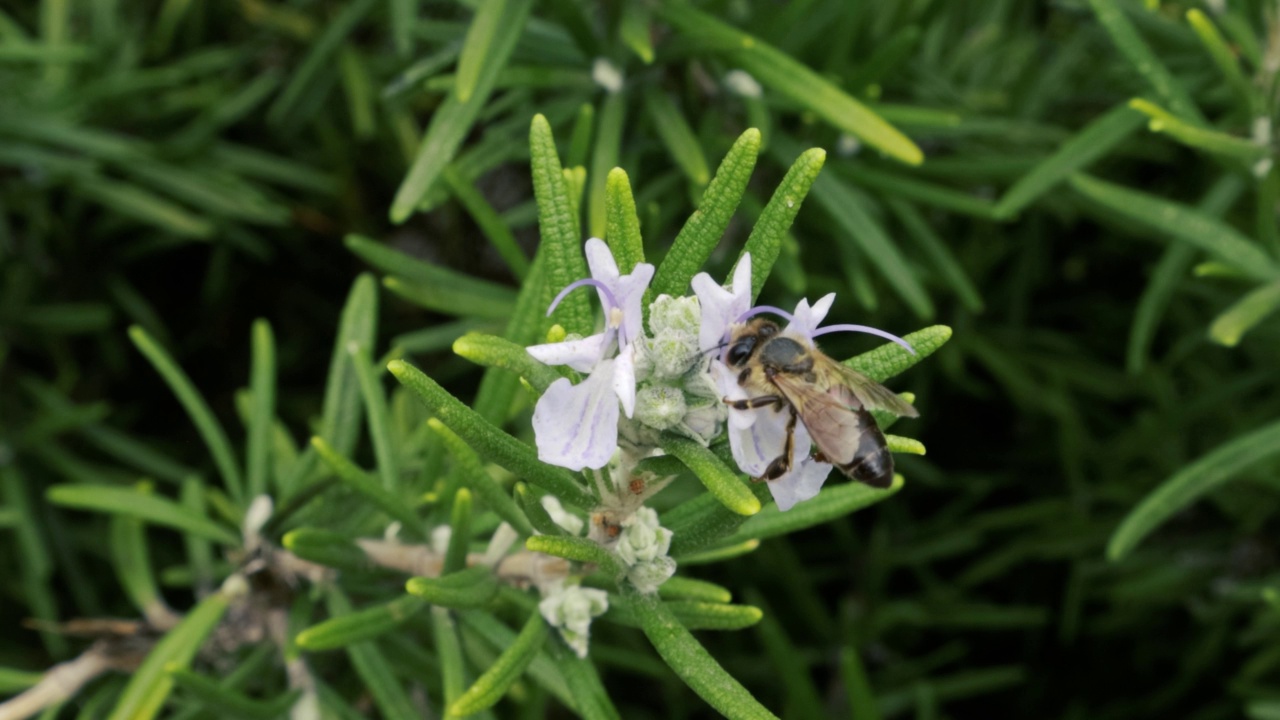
x=764 y=309
x=604 y=290
x=865 y=329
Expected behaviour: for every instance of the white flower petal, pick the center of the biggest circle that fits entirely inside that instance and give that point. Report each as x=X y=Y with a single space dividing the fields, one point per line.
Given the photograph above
x=761 y=442
x=581 y=355
x=624 y=379
x=807 y=318
x=600 y=261
x=799 y=485
x=727 y=387
x=576 y=426
x=629 y=292
x=720 y=307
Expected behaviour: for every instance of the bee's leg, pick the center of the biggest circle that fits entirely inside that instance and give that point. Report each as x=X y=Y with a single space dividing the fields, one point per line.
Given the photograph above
x=781 y=465
x=755 y=402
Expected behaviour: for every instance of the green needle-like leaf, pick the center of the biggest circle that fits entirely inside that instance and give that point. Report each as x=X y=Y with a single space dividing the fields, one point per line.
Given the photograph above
x=1092 y=142
x=1163 y=121
x=133 y=566
x=480 y=482
x=892 y=359
x=834 y=501
x=1139 y=54
x=693 y=663
x=703 y=230
x=262 y=384
x=622 y=225
x=451 y=122
x=321 y=52
x=538 y=516
x=676 y=134
x=490 y=442
x=1189 y=483
x=604 y=157
x=862 y=699
x=215 y=438
x=685 y=588
x=491 y=351
x=765 y=241
x=357 y=626
x=374 y=670
x=791 y=79
x=151 y=683
x=561 y=233
x=578 y=550
x=1224 y=57
x=478 y=45
x=490 y=222
x=489 y=688
x=327 y=548
x=633 y=30
x=360 y=481
x=722 y=482
x=692 y=614
x=140 y=505
x=455 y=558
x=470 y=588
x=1248 y=311
x=375 y=408
x=1180 y=222
x=217 y=697
x=340 y=420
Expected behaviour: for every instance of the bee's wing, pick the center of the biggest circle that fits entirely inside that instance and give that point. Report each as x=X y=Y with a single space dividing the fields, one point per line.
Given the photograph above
x=869 y=393
x=845 y=434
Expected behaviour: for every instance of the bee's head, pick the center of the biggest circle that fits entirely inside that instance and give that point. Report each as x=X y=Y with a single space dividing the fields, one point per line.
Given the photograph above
x=747 y=338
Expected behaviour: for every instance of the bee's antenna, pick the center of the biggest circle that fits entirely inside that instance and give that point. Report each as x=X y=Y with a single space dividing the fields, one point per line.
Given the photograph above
x=721 y=346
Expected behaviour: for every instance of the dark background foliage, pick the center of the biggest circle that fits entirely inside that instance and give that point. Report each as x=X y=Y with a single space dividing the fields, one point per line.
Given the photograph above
x=175 y=173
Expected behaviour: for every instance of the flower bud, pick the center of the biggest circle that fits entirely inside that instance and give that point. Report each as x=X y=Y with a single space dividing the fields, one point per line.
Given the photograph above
x=570 y=610
x=660 y=406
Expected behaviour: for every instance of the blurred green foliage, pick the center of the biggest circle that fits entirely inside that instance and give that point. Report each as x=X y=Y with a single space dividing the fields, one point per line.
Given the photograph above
x=1092 y=533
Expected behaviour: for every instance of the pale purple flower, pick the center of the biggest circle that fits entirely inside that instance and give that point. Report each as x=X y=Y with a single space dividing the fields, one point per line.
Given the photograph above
x=722 y=307
x=576 y=426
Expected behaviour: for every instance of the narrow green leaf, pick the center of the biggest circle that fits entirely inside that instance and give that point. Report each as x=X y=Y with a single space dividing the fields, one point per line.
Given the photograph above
x=703 y=230
x=560 y=231
x=470 y=588
x=318 y=56
x=217 y=697
x=133 y=567
x=15 y=681
x=453 y=119
x=686 y=588
x=792 y=79
x=891 y=359
x=359 y=481
x=149 y=686
x=453 y=668
x=340 y=420
x=832 y=502
x=693 y=663
x=1092 y=142
x=478 y=45
x=215 y=438
x=491 y=351
x=450 y=302
x=490 y=222
x=538 y=516
x=490 y=442
x=1224 y=58
x=374 y=670
x=142 y=205
x=692 y=614
x=676 y=134
x=357 y=626
x=489 y=688
x=480 y=482
x=848 y=208
x=622 y=225
x=887 y=56
x=262 y=384
x=1246 y=312
x=633 y=30
x=1185 y=486
x=424 y=274
x=1180 y=222
x=143 y=506
x=604 y=157
x=765 y=241
x=1140 y=56
x=579 y=550
x=862 y=699
x=375 y=406
x=722 y=482
x=326 y=547
x=946 y=263
x=1163 y=121
x=802 y=698
x=893 y=185
x=455 y=558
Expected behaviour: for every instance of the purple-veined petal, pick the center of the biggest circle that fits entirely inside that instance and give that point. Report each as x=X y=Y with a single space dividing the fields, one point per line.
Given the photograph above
x=629 y=292
x=601 y=263
x=624 y=379
x=726 y=383
x=576 y=426
x=720 y=307
x=581 y=355
x=799 y=485
x=807 y=318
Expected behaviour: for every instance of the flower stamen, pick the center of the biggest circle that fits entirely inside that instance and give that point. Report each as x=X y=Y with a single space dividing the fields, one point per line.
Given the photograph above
x=603 y=288
x=865 y=329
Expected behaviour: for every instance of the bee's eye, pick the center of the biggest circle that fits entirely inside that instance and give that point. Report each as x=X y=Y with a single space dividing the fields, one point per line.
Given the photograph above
x=741 y=350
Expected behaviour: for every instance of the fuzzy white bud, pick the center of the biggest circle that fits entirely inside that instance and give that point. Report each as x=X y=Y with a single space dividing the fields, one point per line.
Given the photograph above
x=660 y=406
x=570 y=610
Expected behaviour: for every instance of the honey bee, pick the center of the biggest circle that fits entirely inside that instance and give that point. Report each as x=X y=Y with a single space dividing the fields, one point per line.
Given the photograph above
x=787 y=372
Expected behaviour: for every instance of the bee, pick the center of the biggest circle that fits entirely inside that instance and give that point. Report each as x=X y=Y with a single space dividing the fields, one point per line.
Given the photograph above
x=787 y=372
